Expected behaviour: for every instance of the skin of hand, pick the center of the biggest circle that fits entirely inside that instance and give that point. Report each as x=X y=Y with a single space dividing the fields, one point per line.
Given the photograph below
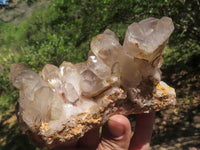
x=116 y=135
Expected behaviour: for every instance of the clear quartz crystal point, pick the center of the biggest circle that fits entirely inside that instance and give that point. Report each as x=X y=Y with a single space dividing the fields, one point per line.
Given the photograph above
x=35 y=95
x=20 y=72
x=106 y=46
x=147 y=39
x=104 y=57
x=70 y=92
x=70 y=74
x=97 y=66
x=51 y=75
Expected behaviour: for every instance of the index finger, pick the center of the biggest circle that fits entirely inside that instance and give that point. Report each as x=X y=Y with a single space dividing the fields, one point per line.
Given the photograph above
x=143 y=131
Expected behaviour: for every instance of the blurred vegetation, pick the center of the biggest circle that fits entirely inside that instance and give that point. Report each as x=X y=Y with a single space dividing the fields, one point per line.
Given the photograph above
x=63 y=31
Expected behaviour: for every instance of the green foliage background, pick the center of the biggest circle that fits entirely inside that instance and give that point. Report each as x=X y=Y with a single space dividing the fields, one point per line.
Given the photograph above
x=63 y=31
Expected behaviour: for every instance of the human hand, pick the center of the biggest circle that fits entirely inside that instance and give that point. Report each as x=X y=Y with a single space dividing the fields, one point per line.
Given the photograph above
x=116 y=135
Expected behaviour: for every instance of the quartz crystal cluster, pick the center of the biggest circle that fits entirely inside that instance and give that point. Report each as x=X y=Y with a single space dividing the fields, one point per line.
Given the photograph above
x=62 y=103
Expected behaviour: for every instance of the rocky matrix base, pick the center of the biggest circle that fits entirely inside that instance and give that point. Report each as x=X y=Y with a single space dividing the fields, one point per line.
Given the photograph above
x=62 y=103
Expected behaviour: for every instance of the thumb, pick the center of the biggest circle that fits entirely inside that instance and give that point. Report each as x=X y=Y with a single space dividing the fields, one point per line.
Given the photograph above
x=116 y=134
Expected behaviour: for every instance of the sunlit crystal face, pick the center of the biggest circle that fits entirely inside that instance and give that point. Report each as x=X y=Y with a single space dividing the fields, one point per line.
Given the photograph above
x=66 y=101
x=91 y=85
x=147 y=39
x=106 y=47
x=81 y=67
x=51 y=75
x=97 y=66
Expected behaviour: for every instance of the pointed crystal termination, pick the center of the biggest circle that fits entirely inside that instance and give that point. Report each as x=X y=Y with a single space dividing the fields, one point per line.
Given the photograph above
x=62 y=103
x=147 y=39
x=51 y=75
x=35 y=94
x=97 y=66
x=106 y=46
x=144 y=43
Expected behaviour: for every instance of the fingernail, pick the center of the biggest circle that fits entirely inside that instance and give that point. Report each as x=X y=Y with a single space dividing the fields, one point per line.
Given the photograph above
x=115 y=128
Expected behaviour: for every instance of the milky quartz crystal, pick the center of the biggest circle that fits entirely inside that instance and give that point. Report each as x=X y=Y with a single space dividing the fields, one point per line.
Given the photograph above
x=62 y=103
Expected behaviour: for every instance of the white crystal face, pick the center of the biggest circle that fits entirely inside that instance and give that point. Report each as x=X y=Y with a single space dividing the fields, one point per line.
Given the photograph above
x=85 y=92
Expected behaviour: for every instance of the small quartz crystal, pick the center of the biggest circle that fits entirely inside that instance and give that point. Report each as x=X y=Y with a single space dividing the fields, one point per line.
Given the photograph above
x=62 y=103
